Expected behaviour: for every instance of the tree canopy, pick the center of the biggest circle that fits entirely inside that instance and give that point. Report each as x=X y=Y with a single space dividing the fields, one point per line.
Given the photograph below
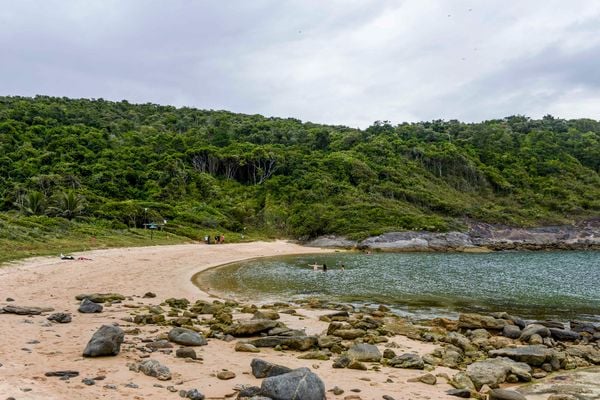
x=200 y=169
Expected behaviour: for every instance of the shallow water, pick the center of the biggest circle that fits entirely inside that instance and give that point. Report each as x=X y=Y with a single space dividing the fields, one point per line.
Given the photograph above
x=558 y=285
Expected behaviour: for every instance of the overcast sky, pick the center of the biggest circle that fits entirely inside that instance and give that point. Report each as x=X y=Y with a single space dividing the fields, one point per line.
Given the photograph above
x=331 y=61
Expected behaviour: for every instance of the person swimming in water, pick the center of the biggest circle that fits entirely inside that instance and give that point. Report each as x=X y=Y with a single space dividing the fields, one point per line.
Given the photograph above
x=324 y=267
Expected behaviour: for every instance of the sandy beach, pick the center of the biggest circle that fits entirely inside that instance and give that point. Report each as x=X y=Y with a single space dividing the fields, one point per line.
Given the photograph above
x=32 y=346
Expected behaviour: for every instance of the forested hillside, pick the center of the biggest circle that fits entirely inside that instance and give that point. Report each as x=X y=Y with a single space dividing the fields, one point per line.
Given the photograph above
x=120 y=165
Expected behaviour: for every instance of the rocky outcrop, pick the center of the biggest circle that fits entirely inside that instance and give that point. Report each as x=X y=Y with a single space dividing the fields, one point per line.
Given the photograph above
x=477 y=237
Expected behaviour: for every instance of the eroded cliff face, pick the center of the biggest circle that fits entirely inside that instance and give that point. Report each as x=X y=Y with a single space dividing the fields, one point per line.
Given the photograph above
x=479 y=237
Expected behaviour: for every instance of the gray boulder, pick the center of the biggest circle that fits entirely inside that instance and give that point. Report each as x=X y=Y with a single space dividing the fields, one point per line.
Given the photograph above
x=407 y=360
x=300 y=343
x=105 y=342
x=251 y=327
x=299 y=384
x=583 y=326
x=89 y=307
x=364 y=352
x=511 y=331
x=186 y=337
x=534 y=329
x=564 y=335
x=61 y=318
x=487 y=373
x=534 y=355
x=265 y=369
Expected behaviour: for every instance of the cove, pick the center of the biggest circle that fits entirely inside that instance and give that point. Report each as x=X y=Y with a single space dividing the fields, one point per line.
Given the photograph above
x=560 y=284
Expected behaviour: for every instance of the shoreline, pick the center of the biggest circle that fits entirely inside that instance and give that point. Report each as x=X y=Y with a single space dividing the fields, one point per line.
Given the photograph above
x=33 y=346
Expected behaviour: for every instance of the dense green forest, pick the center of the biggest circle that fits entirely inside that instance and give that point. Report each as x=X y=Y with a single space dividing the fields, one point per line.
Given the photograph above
x=120 y=165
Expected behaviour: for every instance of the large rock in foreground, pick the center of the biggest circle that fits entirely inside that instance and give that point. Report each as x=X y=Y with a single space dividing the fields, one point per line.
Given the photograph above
x=186 y=337
x=299 y=384
x=105 y=342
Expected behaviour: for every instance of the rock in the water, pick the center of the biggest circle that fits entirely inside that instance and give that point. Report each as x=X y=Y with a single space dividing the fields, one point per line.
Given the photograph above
x=582 y=326
x=61 y=318
x=534 y=329
x=186 y=352
x=225 y=375
x=265 y=369
x=502 y=394
x=299 y=384
x=407 y=360
x=364 y=352
x=88 y=307
x=533 y=355
x=101 y=297
x=155 y=369
x=26 y=310
x=251 y=327
x=186 y=337
x=63 y=374
x=105 y=342
x=246 y=347
x=474 y=321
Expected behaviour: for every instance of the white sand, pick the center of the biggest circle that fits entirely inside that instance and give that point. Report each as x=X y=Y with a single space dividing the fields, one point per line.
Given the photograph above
x=166 y=271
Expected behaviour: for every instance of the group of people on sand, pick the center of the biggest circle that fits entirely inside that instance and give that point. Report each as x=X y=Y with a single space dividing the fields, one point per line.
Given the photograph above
x=218 y=239
x=323 y=267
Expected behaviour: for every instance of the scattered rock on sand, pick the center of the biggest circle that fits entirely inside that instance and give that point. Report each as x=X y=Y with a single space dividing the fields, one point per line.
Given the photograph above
x=101 y=297
x=251 y=327
x=364 y=352
x=428 y=379
x=225 y=375
x=88 y=307
x=63 y=374
x=300 y=383
x=246 y=347
x=192 y=394
x=462 y=393
x=61 y=318
x=407 y=360
x=156 y=369
x=265 y=369
x=187 y=337
x=105 y=342
x=502 y=394
x=186 y=352
x=149 y=295
x=26 y=310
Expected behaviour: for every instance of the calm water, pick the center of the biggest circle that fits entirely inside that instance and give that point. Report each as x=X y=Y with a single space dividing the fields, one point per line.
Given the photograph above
x=530 y=284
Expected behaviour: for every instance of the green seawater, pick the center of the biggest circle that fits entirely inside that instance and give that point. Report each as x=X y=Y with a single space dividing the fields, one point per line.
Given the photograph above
x=559 y=285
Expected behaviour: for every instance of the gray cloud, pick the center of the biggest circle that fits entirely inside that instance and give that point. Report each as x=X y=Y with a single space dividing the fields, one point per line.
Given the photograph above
x=343 y=62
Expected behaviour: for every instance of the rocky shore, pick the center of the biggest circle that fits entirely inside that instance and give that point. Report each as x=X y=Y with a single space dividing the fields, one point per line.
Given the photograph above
x=129 y=324
x=475 y=356
x=478 y=237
